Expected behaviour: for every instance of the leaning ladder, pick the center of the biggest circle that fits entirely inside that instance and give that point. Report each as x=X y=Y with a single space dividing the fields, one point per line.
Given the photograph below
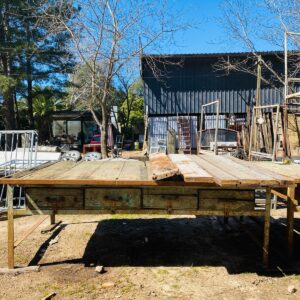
x=184 y=134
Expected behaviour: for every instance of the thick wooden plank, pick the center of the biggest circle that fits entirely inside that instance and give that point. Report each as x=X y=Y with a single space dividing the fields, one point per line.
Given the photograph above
x=171 y=201
x=54 y=198
x=196 y=170
x=133 y=170
x=18 y=271
x=225 y=205
x=109 y=170
x=190 y=170
x=267 y=219
x=178 y=190
x=221 y=177
x=10 y=227
x=162 y=167
x=244 y=174
x=232 y=200
x=52 y=171
x=32 y=170
x=197 y=212
x=112 y=198
x=284 y=180
x=243 y=195
x=99 y=182
x=290 y=171
x=29 y=231
x=290 y=219
x=82 y=170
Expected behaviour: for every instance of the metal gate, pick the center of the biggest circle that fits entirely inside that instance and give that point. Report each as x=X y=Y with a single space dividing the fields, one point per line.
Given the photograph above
x=18 y=151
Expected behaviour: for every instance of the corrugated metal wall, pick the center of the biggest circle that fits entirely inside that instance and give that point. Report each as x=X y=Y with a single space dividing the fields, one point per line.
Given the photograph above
x=158 y=126
x=183 y=89
x=168 y=102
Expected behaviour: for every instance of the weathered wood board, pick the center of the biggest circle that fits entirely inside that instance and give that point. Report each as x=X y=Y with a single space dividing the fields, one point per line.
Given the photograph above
x=97 y=198
x=54 y=198
x=191 y=171
x=163 y=198
x=162 y=167
x=195 y=170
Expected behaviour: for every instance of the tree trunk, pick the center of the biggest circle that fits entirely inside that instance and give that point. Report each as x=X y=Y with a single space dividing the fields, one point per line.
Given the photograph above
x=103 y=128
x=29 y=93
x=17 y=110
x=8 y=111
x=29 y=79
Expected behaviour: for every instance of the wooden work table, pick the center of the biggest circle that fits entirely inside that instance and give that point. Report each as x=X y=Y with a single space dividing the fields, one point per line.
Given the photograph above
x=183 y=185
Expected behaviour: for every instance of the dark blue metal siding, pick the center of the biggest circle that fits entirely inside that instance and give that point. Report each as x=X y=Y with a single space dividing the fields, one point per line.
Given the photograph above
x=183 y=89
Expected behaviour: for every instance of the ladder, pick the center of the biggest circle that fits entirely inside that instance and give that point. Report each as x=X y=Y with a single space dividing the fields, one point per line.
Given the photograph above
x=184 y=134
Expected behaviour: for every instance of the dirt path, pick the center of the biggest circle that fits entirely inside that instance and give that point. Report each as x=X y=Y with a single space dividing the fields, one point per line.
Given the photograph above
x=144 y=258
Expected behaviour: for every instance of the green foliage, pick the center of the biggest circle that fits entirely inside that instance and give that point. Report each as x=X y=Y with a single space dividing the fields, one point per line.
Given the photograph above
x=79 y=92
x=31 y=51
x=132 y=110
x=45 y=102
x=6 y=84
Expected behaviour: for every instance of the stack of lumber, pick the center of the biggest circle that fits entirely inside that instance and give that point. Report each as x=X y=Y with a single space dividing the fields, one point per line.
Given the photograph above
x=222 y=170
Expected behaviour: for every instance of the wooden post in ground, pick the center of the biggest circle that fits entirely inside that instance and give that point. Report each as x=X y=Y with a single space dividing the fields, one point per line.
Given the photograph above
x=267 y=229
x=290 y=218
x=52 y=218
x=10 y=227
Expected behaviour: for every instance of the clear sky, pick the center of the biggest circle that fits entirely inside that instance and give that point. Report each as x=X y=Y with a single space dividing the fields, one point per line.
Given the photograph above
x=209 y=36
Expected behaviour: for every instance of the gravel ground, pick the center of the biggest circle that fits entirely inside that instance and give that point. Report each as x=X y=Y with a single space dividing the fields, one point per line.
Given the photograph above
x=145 y=257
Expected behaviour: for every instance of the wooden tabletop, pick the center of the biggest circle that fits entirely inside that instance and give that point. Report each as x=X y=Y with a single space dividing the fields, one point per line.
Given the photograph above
x=174 y=169
x=291 y=170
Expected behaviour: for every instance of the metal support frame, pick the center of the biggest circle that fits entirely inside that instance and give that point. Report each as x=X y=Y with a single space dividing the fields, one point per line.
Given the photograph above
x=217 y=104
x=253 y=130
x=17 y=158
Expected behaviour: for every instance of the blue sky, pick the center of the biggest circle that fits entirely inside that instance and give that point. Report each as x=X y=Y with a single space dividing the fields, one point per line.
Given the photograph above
x=209 y=36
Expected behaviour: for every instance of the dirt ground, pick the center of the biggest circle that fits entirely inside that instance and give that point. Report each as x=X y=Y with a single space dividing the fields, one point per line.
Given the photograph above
x=145 y=257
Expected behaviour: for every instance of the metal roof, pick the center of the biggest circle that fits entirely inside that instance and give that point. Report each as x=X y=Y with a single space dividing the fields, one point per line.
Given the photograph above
x=218 y=54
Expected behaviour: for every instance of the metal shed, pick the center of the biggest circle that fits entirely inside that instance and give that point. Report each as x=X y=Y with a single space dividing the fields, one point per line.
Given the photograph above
x=179 y=84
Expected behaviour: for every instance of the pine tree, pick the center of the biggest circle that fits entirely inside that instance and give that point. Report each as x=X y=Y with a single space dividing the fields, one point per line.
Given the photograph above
x=32 y=53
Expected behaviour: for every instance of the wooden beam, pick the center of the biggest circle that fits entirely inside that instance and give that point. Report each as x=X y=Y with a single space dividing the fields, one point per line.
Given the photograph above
x=18 y=271
x=144 y=211
x=52 y=219
x=190 y=170
x=290 y=218
x=266 y=242
x=162 y=167
x=10 y=227
x=29 y=231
